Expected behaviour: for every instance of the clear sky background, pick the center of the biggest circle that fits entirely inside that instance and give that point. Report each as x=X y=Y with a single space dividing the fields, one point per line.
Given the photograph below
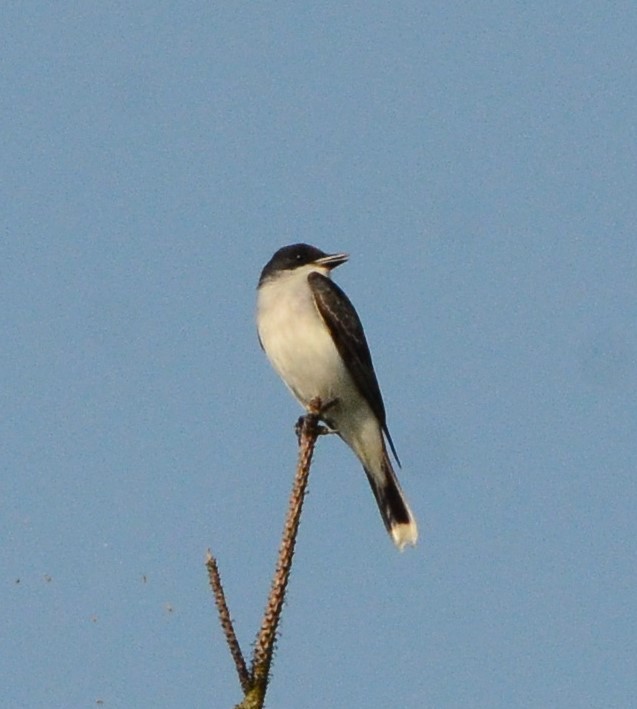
x=478 y=160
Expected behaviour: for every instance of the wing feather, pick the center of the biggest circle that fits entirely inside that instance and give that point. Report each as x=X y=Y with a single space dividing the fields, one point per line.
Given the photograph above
x=347 y=332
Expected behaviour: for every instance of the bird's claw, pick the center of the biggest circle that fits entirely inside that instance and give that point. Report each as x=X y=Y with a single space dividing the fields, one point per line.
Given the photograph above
x=316 y=408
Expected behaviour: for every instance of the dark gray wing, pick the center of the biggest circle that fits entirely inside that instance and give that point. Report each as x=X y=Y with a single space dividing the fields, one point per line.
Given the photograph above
x=347 y=332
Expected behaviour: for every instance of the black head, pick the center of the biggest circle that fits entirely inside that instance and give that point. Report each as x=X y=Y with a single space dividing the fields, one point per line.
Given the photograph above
x=294 y=256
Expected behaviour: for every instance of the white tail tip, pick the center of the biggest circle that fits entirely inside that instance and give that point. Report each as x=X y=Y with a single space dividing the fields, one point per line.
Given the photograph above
x=404 y=534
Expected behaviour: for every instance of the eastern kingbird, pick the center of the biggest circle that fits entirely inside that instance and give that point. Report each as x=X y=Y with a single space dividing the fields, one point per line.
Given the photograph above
x=314 y=339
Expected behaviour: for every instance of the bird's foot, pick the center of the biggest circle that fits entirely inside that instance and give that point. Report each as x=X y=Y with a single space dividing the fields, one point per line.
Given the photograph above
x=321 y=430
x=316 y=408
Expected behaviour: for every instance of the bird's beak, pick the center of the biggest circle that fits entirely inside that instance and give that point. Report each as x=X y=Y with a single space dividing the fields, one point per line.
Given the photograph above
x=332 y=260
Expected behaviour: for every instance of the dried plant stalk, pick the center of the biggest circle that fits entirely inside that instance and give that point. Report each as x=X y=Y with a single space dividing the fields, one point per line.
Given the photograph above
x=226 y=623
x=254 y=682
x=264 y=646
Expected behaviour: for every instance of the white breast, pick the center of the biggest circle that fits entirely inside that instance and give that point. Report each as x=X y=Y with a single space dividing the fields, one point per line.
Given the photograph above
x=297 y=341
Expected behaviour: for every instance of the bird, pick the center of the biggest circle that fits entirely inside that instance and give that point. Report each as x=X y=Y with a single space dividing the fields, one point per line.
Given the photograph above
x=314 y=340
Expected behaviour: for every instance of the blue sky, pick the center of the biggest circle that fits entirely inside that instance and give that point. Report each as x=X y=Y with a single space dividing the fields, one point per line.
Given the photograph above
x=477 y=160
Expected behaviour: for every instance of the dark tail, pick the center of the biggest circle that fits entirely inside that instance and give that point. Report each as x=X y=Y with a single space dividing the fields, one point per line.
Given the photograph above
x=397 y=517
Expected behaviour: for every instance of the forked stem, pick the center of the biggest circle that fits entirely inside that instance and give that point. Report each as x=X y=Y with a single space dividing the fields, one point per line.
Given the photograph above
x=254 y=682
